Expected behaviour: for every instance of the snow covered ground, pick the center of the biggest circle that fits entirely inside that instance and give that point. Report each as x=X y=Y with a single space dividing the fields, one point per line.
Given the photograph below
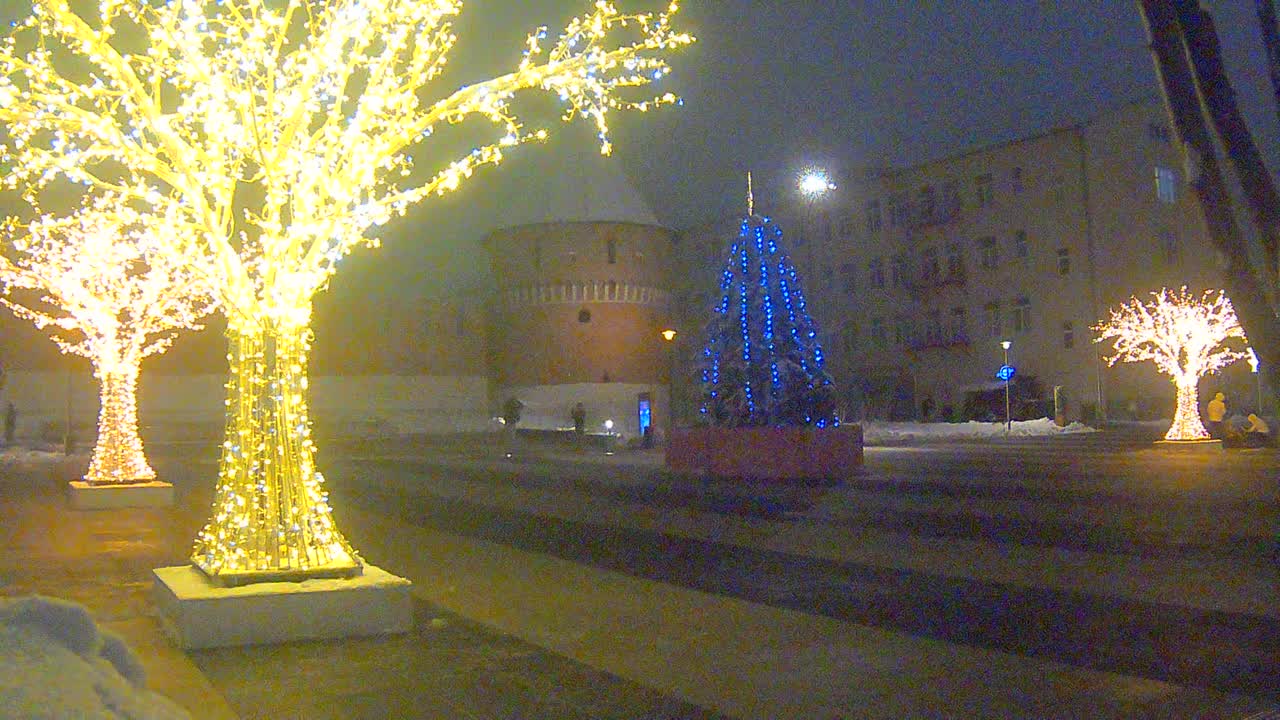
x=912 y=433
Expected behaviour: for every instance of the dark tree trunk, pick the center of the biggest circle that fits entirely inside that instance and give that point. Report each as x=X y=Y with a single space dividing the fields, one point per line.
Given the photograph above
x=1236 y=192
x=1271 y=40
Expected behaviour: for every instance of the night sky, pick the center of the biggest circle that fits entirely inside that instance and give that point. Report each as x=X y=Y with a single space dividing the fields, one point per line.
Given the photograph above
x=774 y=86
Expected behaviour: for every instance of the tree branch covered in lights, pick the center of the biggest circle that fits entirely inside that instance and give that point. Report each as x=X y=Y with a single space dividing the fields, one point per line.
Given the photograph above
x=280 y=132
x=1186 y=337
x=96 y=285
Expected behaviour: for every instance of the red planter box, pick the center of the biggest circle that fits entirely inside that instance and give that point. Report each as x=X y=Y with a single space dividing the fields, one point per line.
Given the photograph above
x=767 y=453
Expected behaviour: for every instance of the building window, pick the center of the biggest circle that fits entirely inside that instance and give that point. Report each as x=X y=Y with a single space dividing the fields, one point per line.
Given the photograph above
x=1068 y=335
x=878 y=334
x=849 y=274
x=611 y=289
x=1022 y=314
x=928 y=203
x=955 y=260
x=995 y=328
x=902 y=330
x=584 y=316
x=933 y=328
x=984 y=190
x=1158 y=131
x=460 y=322
x=875 y=271
x=899 y=211
x=612 y=249
x=1015 y=180
x=898 y=271
x=1064 y=261
x=849 y=339
x=958 y=326
x=874 y=221
x=1166 y=185
x=1020 y=250
x=951 y=200
x=930 y=267
x=989 y=253
x=537 y=253
x=1170 y=248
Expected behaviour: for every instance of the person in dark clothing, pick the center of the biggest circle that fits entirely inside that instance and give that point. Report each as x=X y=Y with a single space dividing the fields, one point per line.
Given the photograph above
x=10 y=423
x=579 y=416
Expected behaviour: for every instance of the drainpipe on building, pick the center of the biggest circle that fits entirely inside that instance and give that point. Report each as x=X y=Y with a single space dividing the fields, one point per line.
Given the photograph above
x=1090 y=251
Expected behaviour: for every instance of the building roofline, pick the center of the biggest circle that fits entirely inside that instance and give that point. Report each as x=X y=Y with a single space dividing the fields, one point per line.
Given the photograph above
x=671 y=232
x=1056 y=129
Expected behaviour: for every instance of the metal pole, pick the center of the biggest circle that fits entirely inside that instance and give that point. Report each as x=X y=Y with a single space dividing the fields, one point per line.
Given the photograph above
x=1258 y=377
x=66 y=429
x=1008 y=421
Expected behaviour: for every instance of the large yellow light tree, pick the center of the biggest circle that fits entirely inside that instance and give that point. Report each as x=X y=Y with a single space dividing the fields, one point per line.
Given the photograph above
x=94 y=282
x=1187 y=337
x=282 y=130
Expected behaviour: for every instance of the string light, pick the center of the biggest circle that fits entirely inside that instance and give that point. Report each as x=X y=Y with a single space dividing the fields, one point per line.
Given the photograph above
x=760 y=368
x=101 y=290
x=1185 y=336
x=280 y=134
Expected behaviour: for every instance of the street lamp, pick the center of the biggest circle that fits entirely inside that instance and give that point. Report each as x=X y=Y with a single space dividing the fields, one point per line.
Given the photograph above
x=1008 y=420
x=1253 y=368
x=814 y=183
x=669 y=335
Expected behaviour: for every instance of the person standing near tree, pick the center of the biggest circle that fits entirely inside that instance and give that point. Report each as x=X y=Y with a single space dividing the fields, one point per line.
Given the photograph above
x=10 y=424
x=1216 y=412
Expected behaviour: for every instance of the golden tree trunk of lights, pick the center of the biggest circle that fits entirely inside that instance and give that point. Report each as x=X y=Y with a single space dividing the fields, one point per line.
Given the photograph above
x=281 y=132
x=93 y=281
x=1186 y=337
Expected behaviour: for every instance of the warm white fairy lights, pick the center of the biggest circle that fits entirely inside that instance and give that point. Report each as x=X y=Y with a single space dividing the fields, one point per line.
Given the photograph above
x=281 y=131
x=1186 y=337
x=94 y=282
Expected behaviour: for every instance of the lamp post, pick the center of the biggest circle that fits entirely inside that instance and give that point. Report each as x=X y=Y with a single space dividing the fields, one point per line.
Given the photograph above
x=669 y=335
x=1008 y=421
x=1257 y=377
x=814 y=184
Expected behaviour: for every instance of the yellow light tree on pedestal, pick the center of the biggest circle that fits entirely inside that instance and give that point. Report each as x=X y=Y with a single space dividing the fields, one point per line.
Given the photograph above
x=281 y=130
x=95 y=283
x=1186 y=336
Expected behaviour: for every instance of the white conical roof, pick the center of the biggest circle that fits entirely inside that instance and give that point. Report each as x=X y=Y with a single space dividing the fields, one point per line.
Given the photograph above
x=565 y=179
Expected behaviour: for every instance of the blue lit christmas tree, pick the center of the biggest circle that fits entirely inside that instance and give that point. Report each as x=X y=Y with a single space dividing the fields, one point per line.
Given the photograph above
x=762 y=365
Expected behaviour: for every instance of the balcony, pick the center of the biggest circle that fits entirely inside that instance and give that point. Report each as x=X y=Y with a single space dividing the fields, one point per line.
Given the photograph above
x=940 y=343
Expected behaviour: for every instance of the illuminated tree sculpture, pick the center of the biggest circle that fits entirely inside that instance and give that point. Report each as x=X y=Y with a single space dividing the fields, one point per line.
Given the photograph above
x=1186 y=337
x=282 y=130
x=95 y=283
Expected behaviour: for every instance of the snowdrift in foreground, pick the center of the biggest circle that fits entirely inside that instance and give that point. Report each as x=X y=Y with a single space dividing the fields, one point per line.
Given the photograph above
x=910 y=433
x=58 y=664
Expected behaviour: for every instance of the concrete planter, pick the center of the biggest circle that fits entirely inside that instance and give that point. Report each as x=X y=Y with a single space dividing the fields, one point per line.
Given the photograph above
x=767 y=453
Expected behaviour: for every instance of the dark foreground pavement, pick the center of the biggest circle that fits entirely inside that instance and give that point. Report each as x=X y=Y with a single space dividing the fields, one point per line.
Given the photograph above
x=447 y=668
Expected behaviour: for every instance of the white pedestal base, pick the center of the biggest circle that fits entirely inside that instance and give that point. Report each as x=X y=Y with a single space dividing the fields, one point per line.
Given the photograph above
x=1191 y=446
x=198 y=614
x=84 y=496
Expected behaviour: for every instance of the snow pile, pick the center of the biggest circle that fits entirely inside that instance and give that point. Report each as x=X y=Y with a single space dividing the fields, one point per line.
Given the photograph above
x=27 y=456
x=58 y=664
x=910 y=433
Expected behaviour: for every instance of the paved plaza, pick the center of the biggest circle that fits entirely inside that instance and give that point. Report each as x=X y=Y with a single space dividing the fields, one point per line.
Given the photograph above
x=1090 y=576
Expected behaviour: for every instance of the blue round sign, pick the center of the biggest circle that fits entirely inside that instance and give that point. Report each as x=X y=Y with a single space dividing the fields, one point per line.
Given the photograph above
x=1005 y=373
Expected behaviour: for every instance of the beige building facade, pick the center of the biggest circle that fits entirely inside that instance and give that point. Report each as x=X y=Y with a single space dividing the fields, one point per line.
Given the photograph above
x=916 y=276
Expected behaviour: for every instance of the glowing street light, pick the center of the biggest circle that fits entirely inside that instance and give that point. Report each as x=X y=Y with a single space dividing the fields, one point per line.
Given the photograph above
x=1008 y=421
x=1253 y=368
x=670 y=336
x=815 y=184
